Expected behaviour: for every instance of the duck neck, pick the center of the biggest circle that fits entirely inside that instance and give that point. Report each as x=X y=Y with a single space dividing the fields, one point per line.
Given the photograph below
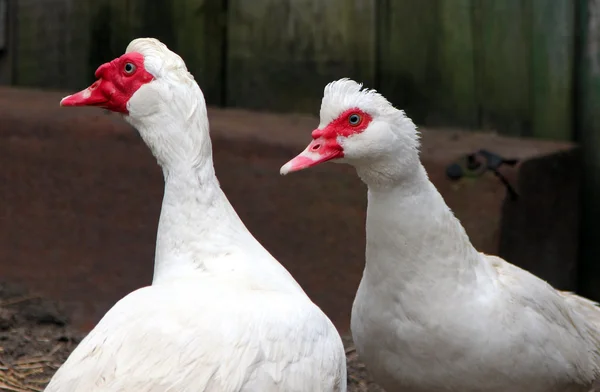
x=199 y=232
x=412 y=235
x=198 y=229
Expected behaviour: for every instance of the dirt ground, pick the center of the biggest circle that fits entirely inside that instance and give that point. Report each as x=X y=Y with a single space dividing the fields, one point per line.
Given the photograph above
x=36 y=338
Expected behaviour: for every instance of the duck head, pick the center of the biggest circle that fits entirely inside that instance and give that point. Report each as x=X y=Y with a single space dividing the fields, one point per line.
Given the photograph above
x=359 y=127
x=152 y=88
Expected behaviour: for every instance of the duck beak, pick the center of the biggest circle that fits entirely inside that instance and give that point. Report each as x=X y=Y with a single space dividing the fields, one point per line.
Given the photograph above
x=91 y=96
x=318 y=151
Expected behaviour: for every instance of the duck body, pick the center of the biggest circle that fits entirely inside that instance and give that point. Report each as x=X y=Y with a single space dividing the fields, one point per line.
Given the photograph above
x=222 y=314
x=449 y=318
x=431 y=312
x=249 y=340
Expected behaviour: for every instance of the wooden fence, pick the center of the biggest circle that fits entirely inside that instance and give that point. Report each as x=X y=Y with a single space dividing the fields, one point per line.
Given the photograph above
x=506 y=65
x=520 y=67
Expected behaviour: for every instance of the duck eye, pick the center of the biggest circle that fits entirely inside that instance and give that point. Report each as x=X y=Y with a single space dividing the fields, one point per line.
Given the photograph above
x=129 y=68
x=354 y=119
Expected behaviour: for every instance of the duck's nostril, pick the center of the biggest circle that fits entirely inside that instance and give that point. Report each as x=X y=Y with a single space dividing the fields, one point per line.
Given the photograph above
x=93 y=86
x=315 y=147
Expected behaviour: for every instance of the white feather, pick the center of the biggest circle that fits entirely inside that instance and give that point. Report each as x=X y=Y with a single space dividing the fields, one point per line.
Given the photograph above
x=221 y=314
x=433 y=314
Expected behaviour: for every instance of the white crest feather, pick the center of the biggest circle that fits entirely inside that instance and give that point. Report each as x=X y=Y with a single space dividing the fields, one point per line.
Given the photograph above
x=159 y=60
x=345 y=93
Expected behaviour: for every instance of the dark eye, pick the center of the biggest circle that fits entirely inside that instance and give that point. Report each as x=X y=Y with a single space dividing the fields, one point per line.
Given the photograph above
x=354 y=119
x=129 y=68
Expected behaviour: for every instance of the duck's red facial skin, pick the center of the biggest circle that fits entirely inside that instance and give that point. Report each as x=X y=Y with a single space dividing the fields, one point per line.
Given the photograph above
x=325 y=146
x=343 y=126
x=116 y=84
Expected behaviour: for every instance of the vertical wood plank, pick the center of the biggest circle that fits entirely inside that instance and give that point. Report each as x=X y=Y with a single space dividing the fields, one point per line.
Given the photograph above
x=100 y=36
x=589 y=139
x=76 y=49
x=427 y=64
x=191 y=28
x=281 y=53
x=199 y=35
x=553 y=29
x=3 y=25
x=110 y=31
x=407 y=55
x=35 y=66
x=153 y=18
x=455 y=97
x=503 y=61
x=49 y=43
x=60 y=43
x=6 y=54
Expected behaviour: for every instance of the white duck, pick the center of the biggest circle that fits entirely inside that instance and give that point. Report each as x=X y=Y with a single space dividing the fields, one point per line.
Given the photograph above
x=431 y=312
x=221 y=314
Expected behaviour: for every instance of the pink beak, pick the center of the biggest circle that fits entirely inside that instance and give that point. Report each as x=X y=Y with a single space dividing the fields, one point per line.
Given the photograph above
x=91 y=96
x=318 y=151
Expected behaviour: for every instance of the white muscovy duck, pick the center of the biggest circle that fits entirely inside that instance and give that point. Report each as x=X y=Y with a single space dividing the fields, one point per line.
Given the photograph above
x=221 y=314
x=431 y=312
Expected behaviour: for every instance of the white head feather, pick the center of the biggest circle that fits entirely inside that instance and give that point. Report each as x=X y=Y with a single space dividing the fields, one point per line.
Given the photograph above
x=345 y=93
x=160 y=61
x=170 y=112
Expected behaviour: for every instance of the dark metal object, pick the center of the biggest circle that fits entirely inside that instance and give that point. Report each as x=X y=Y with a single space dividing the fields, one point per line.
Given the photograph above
x=475 y=164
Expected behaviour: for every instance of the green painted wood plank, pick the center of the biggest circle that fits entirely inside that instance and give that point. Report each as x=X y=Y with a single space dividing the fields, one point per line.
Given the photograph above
x=589 y=138
x=427 y=65
x=455 y=97
x=503 y=51
x=28 y=51
x=199 y=34
x=52 y=43
x=6 y=59
x=109 y=33
x=193 y=29
x=553 y=29
x=60 y=43
x=408 y=72
x=154 y=18
x=76 y=49
x=281 y=53
x=71 y=38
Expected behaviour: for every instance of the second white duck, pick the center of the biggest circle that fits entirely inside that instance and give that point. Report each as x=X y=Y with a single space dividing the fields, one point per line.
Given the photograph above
x=221 y=314
x=431 y=312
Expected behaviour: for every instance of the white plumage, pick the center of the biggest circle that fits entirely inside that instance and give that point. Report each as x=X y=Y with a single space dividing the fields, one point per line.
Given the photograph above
x=221 y=314
x=431 y=312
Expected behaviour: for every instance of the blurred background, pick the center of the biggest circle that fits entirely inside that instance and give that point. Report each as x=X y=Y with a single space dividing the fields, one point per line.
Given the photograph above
x=517 y=78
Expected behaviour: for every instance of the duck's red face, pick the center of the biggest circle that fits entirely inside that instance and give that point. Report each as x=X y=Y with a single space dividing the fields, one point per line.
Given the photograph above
x=116 y=84
x=326 y=142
